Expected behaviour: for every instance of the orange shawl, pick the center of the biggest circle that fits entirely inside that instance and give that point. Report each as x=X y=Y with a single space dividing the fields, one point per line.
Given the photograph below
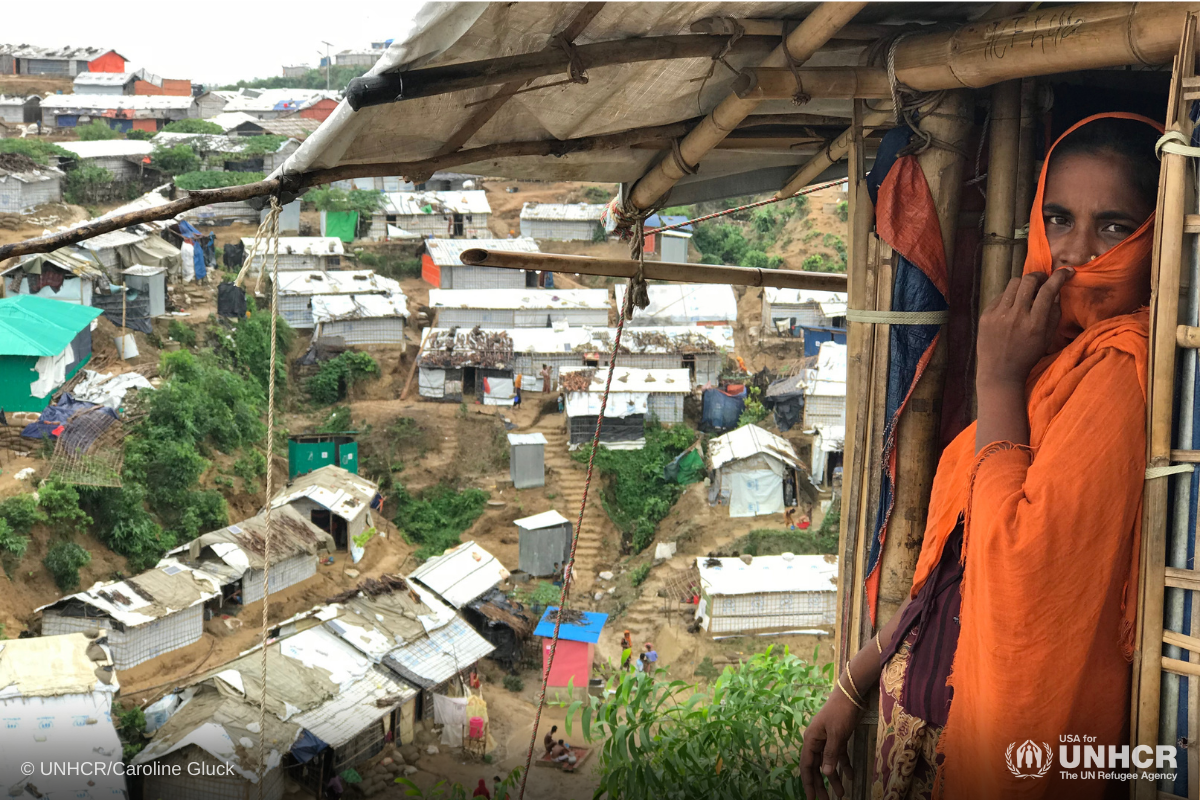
x=1051 y=538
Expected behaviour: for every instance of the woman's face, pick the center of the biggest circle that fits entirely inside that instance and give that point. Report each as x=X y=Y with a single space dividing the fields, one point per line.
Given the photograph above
x=1089 y=206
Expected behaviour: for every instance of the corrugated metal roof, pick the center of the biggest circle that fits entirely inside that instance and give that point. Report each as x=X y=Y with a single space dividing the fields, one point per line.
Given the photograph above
x=464 y=201
x=39 y=326
x=833 y=304
x=331 y=308
x=546 y=519
x=306 y=245
x=562 y=212
x=296 y=127
x=243 y=544
x=555 y=299
x=146 y=597
x=747 y=441
x=769 y=574
x=54 y=53
x=338 y=282
x=589 y=631
x=631 y=379
x=105 y=78
x=340 y=719
x=334 y=488
x=446 y=252
x=110 y=102
x=72 y=259
x=684 y=304
x=526 y=438
x=203 y=142
x=829 y=378
x=37 y=175
x=111 y=148
x=441 y=655
x=568 y=339
x=461 y=574
x=228 y=120
x=278 y=99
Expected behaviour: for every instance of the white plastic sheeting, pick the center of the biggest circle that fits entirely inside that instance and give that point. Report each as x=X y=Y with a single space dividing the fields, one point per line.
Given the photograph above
x=755 y=493
x=107 y=389
x=620 y=404
x=331 y=308
x=498 y=391
x=51 y=371
x=451 y=713
x=684 y=304
x=187 y=252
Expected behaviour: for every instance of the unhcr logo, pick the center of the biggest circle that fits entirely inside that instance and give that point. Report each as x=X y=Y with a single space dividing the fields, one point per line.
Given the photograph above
x=1031 y=760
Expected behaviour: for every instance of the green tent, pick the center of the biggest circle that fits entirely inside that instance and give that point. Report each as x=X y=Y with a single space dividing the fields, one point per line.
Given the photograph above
x=341 y=224
x=36 y=328
x=687 y=467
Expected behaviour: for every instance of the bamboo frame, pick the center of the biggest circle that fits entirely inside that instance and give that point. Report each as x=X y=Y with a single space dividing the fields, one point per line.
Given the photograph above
x=835 y=151
x=769 y=83
x=1026 y=172
x=656 y=270
x=1003 y=148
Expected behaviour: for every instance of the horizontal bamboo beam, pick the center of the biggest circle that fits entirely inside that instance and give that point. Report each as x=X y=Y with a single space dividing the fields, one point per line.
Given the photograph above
x=391 y=87
x=1188 y=337
x=835 y=151
x=768 y=83
x=724 y=26
x=656 y=270
x=1179 y=578
x=1174 y=665
x=1182 y=641
x=1185 y=456
x=1191 y=223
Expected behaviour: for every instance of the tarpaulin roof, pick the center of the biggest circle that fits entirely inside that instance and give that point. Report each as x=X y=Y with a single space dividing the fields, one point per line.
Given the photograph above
x=39 y=326
x=747 y=441
x=568 y=339
x=72 y=259
x=305 y=245
x=587 y=630
x=833 y=304
x=61 y=103
x=464 y=201
x=546 y=519
x=562 y=212
x=334 y=488
x=110 y=148
x=829 y=377
x=632 y=379
x=331 y=308
x=243 y=544
x=146 y=597
x=47 y=666
x=446 y=252
x=683 y=304
x=769 y=574
x=461 y=574
x=519 y=298
x=357 y=281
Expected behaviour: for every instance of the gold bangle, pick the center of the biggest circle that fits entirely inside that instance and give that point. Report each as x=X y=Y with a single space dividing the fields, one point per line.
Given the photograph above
x=861 y=707
x=878 y=645
x=850 y=678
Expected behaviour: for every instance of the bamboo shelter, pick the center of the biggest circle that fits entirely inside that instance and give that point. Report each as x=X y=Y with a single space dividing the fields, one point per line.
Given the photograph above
x=689 y=102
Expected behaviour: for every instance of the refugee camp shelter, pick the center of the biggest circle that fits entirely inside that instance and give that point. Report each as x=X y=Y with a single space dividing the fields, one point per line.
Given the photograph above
x=544 y=543
x=151 y=282
x=754 y=472
x=527 y=460
x=448 y=215
x=309 y=451
x=57 y=707
x=519 y=308
x=70 y=274
x=237 y=554
x=43 y=343
x=683 y=304
x=783 y=310
x=20 y=109
x=275 y=103
x=461 y=574
x=561 y=221
x=25 y=184
x=504 y=623
x=441 y=265
x=28 y=59
x=360 y=318
x=298 y=290
x=146 y=616
x=637 y=396
x=122 y=113
x=121 y=157
x=336 y=501
x=825 y=389
x=770 y=593
x=304 y=253
x=139 y=246
x=576 y=649
x=454 y=364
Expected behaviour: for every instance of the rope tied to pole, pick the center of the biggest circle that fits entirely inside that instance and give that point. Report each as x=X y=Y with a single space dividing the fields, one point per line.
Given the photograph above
x=575 y=70
x=801 y=97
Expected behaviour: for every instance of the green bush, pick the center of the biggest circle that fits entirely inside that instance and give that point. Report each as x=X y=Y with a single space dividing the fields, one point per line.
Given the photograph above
x=139 y=135
x=638 y=575
x=181 y=333
x=64 y=560
x=753 y=412
x=21 y=512
x=435 y=519
x=338 y=421
x=843 y=211
x=757 y=259
x=538 y=593
x=599 y=235
x=815 y=263
x=336 y=376
x=194 y=126
x=252 y=342
x=636 y=495
x=193 y=180
x=36 y=149
x=250 y=466
x=60 y=503
x=124 y=525
x=131 y=724
x=96 y=131
x=514 y=683
x=597 y=194
x=11 y=542
x=178 y=160
x=395 y=267
x=84 y=184
x=722 y=243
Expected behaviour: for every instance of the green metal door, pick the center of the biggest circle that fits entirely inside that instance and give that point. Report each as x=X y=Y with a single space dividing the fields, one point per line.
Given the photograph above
x=348 y=456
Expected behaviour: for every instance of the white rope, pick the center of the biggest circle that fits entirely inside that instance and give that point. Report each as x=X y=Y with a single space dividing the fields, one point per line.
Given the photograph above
x=271 y=223
x=1176 y=143
x=1162 y=472
x=898 y=317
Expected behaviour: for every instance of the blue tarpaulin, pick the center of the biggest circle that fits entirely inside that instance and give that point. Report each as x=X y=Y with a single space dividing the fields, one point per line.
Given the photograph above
x=814 y=337
x=58 y=414
x=307 y=747
x=721 y=411
x=588 y=630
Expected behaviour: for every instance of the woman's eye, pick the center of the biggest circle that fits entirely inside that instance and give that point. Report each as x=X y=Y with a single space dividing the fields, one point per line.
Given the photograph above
x=1057 y=219
x=1117 y=229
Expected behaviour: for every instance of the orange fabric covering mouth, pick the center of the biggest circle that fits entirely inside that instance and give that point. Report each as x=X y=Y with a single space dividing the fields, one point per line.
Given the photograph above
x=1051 y=539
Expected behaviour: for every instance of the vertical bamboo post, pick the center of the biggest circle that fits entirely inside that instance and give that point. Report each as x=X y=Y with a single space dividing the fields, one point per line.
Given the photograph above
x=1026 y=172
x=917 y=438
x=1003 y=143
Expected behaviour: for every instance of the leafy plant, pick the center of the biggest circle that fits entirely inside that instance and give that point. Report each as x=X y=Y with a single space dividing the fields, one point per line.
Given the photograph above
x=843 y=211
x=131 y=725
x=138 y=135
x=250 y=466
x=12 y=543
x=336 y=376
x=538 y=593
x=337 y=421
x=671 y=740
x=722 y=243
x=837 y=244
x=124 y=525
x=360 y=541
x=60 y=503
x=193 y=180
x=84 y=184
x=181 y=333
x=638 y=575
x=21 y=512
x=64 y=560
x=757 y=259
x=178 y=160
x=96 y=131
x=599 y=235
x=252 y=350
x=435 y=519
x=753 y=412
x=392 y=266
x=194 y=126
x=38 y=150
x=817 y=262
x=444 y=790
x=338 y=77
x=514 y=683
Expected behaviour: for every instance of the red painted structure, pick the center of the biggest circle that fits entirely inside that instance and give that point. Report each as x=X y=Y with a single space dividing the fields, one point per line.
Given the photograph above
x=175 y=88
x=320 y=110
x=431 y=273
x=572 y=663
x=112 y=61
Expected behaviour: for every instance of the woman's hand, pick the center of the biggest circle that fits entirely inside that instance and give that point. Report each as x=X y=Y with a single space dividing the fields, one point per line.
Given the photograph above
x=1016 y=329
x=824 y=749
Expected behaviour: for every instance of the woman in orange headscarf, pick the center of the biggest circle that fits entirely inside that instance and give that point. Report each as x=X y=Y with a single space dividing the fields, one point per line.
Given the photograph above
x=1019 y=626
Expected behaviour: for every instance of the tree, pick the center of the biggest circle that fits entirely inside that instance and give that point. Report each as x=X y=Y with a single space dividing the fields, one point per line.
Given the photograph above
x=139 y=135
x=175 y=160
x=96 y=131
x=194 y=126
x=85 y=184
x=672 y=741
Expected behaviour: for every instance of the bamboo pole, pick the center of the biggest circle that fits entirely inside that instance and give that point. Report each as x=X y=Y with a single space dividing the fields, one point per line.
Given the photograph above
x=656 y=270
x=724 y=26
x=834 y=152
x=816 y=29
x=770 y=83
x=1003 y=141
x=919 y=431
x=1026 y=172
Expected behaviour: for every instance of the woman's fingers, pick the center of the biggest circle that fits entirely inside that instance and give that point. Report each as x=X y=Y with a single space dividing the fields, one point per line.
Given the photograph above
x=1047 y=295
x=1028 y=289
x=810 y=758
x=1006 y=297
